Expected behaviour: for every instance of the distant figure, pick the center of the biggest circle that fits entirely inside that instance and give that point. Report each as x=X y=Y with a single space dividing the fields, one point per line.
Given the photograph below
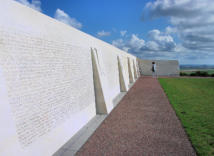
x=153 y=69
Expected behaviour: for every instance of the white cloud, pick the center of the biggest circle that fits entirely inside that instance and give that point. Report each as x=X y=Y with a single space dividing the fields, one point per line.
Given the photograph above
x=119 y=43
x=136 y=43
x=170 y=30
x=192 y=20
x=103 y=33
x=152 y=46
x=158 y=45
x=192 y=23
x=61 y=16
x=35 y=4
x=165 y=42
x=123 y=32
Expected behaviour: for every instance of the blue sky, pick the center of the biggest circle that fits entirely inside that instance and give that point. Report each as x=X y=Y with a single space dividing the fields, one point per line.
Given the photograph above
x=149 y=29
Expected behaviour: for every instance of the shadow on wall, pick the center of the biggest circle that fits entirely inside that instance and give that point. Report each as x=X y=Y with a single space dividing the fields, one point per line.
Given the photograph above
x=101 y=81
x=163 y=67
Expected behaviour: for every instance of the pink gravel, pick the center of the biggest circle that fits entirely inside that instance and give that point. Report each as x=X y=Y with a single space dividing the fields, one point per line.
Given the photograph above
x=143 y=123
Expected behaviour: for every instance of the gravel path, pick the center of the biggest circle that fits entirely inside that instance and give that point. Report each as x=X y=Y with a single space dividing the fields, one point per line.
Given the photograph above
x=143 y=123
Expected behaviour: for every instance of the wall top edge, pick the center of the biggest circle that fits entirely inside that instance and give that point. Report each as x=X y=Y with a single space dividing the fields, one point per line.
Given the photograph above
x=37 y=13
x=156 y=60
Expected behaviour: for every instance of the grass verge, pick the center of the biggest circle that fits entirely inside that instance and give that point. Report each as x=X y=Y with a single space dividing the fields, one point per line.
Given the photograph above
x=193 y=101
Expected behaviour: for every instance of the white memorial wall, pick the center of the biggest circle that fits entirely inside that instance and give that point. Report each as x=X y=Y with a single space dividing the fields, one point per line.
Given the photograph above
x=163 y=67
x=47 y=91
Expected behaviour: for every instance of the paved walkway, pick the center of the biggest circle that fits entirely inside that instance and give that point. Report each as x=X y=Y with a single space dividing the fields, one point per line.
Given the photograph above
x=143 y=123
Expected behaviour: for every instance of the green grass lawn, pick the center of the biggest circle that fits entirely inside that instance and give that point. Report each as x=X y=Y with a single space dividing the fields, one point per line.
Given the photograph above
x=193 y=101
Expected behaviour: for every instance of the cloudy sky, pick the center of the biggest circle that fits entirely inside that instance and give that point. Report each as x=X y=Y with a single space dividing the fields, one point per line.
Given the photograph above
x=149 y=29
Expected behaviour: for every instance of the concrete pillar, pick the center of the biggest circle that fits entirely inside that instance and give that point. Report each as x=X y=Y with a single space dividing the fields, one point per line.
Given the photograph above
x=135 y=72
x=98 y=91
x=130 y=72
x=121 y=77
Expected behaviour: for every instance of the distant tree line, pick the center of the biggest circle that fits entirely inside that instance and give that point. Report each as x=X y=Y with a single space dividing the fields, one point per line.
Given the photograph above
x=197 y=73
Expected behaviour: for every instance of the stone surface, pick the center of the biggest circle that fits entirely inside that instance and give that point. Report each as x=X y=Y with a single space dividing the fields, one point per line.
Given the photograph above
x=143 y=123
x=46 y=80
x=163 y=67
x=78 y=140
